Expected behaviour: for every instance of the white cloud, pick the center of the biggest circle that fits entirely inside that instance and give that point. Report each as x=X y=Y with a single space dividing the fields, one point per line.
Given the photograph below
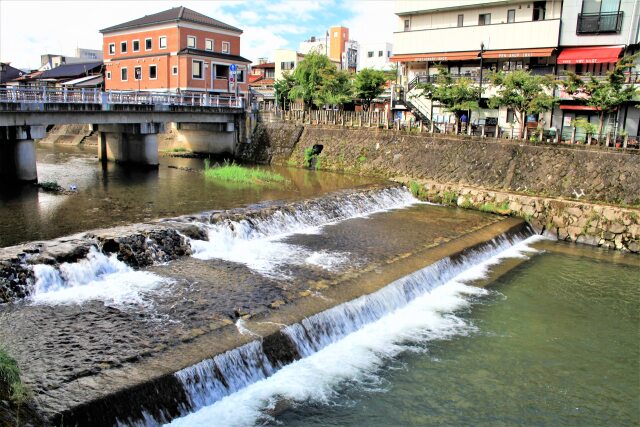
x=373 y=21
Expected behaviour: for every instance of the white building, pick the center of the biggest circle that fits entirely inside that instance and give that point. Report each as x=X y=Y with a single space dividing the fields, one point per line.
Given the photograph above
x=314 y=44
x=375 y=55
x=286 y=60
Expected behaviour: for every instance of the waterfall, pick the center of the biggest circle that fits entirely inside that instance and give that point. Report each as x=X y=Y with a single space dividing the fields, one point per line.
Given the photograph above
x=374 y=326
x=254 y=239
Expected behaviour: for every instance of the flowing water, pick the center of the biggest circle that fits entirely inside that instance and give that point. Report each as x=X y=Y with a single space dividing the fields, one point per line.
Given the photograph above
x=110 y=194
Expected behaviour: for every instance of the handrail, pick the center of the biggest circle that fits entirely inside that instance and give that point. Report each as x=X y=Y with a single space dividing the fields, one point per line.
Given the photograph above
x=94 y=96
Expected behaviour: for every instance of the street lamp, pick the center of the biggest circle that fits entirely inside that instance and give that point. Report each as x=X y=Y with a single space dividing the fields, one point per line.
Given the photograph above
x=481 y=53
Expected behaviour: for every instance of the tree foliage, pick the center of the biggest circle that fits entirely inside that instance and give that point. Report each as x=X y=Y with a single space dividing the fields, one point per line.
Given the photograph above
x=454 y=94
x=605 y=95
x=368 y=85
x=524 y=93
x=282 y=88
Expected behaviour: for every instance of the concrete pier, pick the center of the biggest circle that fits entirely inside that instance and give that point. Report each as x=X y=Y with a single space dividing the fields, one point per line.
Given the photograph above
x=137 y=144
x=18 y=153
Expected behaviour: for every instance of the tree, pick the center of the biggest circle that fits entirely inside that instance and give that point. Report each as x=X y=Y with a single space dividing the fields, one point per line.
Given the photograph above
x=524 y=93
x=335 y=88
x=308 y=77
x=455 y=95
x=368 y=85
x=605 y=95
x=282 y=88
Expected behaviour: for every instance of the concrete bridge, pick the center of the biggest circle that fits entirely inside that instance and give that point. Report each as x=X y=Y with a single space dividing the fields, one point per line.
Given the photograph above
x=128 y=122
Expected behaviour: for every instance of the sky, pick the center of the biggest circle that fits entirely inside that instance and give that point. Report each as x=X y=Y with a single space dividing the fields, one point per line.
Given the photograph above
x=29 y=28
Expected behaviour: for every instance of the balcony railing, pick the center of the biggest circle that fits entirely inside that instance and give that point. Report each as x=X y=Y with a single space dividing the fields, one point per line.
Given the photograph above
x=597 y=23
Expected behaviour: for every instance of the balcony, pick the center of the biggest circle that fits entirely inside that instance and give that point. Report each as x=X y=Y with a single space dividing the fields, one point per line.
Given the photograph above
x=599 y=23
x=518 y=35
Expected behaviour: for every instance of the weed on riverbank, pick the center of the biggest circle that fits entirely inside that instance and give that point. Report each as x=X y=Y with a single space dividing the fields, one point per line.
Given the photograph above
x=232 y=172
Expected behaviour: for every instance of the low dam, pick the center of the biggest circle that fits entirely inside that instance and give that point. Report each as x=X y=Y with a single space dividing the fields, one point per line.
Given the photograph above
x=333 y=301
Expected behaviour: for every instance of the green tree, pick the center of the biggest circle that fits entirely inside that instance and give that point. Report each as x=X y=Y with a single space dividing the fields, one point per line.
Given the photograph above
x=456 y=95
x=335 y=88
x=309 y=77
x=605 y=95
x=524 y=93
x=368 y=85
x=282 y=88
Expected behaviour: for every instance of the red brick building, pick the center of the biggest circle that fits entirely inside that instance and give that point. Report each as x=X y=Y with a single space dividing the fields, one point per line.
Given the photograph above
x=174 y=50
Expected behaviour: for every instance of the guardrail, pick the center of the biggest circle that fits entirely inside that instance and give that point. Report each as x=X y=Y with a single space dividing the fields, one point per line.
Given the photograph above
x=94 y=96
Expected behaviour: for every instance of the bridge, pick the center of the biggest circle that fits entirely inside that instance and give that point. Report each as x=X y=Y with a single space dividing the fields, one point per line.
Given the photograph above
x=128 y=122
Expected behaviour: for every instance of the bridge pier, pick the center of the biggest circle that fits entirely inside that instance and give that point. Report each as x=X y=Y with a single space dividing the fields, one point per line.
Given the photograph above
x=206 y=138
x=129 y=143
x=18 y=152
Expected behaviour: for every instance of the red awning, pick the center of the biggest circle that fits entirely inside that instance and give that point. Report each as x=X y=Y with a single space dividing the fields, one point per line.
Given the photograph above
x=519 y=53
x=590 y=55
x=579 y=107
x=436 y=57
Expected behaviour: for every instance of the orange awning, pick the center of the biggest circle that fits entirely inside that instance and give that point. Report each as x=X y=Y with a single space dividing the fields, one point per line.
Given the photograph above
x=519 y=53
x=436 y=57
x=579 y=108
x=590 y=55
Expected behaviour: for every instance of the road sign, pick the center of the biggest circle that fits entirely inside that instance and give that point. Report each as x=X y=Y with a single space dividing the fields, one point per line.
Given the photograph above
x=233 y=68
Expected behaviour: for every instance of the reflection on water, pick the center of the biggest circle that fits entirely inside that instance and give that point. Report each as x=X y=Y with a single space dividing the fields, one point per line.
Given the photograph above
x=110 y=194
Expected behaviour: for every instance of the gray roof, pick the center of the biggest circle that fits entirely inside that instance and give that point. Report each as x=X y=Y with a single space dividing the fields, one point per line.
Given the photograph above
x=7 y=72
x=172 y=15
x=71 y=70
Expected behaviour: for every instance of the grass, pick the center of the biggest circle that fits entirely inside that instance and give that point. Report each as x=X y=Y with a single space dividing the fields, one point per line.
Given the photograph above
x=50 y=186
x=232 y=172
x=502 y=209
x=177 y=150
x=11 y=387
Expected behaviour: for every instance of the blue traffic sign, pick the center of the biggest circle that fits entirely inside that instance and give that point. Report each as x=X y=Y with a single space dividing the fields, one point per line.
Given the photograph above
x=233 y=67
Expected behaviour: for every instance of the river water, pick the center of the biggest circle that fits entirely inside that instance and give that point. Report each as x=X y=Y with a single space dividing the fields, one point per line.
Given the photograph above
x=110 y=194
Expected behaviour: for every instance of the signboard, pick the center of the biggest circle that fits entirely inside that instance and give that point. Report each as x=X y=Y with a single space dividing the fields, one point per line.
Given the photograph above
x=491 y=121
x=233 y=68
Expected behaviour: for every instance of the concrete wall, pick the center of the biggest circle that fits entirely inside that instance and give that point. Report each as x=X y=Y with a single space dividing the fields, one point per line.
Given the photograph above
x=217 y=138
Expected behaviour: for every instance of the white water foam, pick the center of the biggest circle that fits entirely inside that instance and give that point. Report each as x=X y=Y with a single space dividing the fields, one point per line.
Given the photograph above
x=353 y=340
x=257 y=242
x=97 y=277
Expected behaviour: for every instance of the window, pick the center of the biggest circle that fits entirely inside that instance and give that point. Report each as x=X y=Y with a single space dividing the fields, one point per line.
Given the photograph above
x=510 y=116
x=174 y=70
x=162 y=42
x=287 y=65
x=112 y=48
x=208 y=44
x=108 y=75
x=484 y=19
x=148 y=44
x=137 y=73
x=153 y=72
x=388 y=54
x=240 y=75
x=380 y=53
x=407 y=24
x=123 y=47
x=370 y=54
x=511 y=16
x=335 y=34
x=222 y=71
x=602 y=16
x=191 y=42
x=136 y=45
x=460 y=20
x=123 y=74
x=226 y=46
x=196 y=69
x=539 y=10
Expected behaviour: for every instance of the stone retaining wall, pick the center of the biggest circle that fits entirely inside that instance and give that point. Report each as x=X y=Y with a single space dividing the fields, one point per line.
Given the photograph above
x=600 y=225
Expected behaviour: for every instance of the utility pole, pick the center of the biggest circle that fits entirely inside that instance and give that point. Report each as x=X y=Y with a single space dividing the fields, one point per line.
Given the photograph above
x=481 y=54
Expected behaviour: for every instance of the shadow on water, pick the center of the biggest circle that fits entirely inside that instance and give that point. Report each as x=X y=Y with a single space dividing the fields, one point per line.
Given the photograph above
x=111 y=194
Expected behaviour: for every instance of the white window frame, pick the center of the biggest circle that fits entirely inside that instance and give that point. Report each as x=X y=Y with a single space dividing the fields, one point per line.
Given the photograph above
x=195 y=42
x=126 y=47
x=108 y=75
x=213 y=44
x=174 y=70
x=228 y=45
x=112 y=52
x=166 y=42
x=145 y=44
x=134 y=72
x=201 y=69
x=133 y=49
x=244 y=74
x=156 y=67
x=127 y=70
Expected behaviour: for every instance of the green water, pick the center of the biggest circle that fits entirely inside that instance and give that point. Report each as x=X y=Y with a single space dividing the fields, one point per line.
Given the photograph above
x=557 y=343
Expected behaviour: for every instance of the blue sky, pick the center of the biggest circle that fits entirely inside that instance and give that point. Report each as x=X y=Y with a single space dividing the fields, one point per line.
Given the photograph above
x=31 y=28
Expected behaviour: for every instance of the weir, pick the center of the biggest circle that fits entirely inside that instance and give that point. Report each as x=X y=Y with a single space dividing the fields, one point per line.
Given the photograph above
x=295 y=291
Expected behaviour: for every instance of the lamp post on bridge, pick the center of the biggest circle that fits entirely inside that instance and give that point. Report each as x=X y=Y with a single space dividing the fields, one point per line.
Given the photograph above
x=481 y=54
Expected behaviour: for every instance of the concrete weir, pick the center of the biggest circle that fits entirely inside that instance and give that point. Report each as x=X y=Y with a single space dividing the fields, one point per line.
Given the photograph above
x=110 y=361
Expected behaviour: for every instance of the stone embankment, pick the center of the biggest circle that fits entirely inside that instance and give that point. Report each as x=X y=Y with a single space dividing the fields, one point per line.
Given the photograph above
x=577 y=193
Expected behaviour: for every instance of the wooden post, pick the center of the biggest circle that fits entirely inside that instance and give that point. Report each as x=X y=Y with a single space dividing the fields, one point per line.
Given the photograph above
x=608 y=139
x=573 y=135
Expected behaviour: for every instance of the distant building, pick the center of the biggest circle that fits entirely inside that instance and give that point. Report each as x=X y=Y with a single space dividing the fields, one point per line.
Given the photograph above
x=286 y=60
x=8 y=73
x=49 y=61
x=375 y=55
x=175 y=50
x=79 y=75
x=315 y=44
x=261 y=82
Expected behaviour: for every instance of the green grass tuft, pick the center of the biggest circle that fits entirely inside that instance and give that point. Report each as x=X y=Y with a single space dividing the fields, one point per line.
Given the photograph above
x=50 y=186
x=177 y=150
x=231 y=172
x=10 y=382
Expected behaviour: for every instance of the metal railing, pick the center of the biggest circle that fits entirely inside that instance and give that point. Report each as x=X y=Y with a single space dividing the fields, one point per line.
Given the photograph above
x=594 y=23
x=94 y=96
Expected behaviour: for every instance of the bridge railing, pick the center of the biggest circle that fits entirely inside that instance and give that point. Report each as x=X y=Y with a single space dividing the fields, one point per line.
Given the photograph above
x=94 y=96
